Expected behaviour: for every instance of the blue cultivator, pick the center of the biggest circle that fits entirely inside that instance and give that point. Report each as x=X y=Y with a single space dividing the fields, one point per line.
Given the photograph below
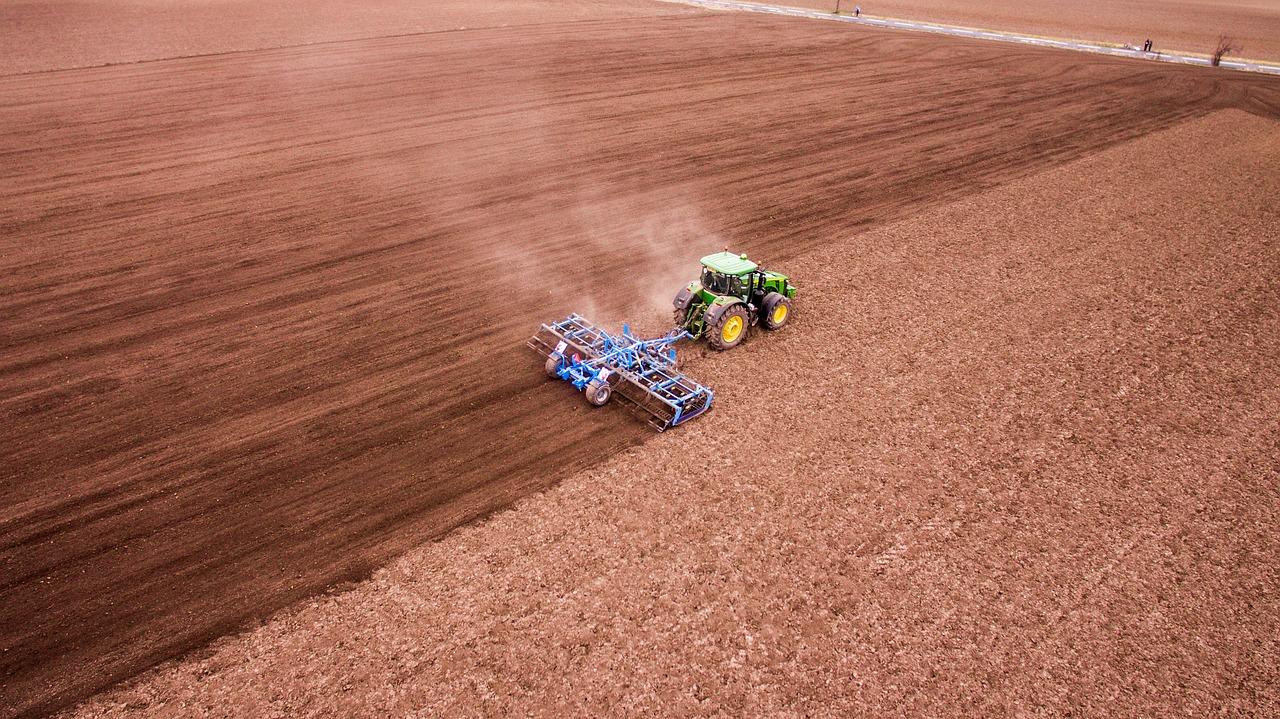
x=643 y=372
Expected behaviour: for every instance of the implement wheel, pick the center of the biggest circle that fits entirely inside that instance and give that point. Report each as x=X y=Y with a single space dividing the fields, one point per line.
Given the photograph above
x=598 y=392
x=553 y=367
x=729 y=329
x=775 y=311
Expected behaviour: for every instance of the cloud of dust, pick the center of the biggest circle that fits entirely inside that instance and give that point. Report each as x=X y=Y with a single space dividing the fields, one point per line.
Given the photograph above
x=614 y=256
x=657 y=237
x=512 y=199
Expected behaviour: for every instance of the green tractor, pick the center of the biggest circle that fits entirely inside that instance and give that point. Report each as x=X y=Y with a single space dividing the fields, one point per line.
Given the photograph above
x=732 y=294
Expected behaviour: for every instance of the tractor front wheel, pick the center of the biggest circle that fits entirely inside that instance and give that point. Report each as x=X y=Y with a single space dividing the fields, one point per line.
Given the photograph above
x=598 y=392
x=775 y=311
x=729 y=329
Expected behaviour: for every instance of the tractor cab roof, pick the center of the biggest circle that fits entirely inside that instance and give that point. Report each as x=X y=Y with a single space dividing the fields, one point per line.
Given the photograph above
x=729 y=263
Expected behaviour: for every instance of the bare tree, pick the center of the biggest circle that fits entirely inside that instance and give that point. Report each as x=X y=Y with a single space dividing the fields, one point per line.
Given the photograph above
x=1225 y=45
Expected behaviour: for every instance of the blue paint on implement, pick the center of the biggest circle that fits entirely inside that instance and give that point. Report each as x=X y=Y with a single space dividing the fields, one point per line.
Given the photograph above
x=641 y=371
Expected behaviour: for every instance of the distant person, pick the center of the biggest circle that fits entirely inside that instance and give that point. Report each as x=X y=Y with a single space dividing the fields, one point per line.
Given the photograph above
x=857 y=11
x=1146 y=46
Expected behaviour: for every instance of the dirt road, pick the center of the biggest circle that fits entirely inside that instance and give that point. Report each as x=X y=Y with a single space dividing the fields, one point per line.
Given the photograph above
x=264 y=311
x=1173 y=25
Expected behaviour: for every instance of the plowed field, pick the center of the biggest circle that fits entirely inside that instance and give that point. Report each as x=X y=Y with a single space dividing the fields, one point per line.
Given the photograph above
x=1015 y=456
x=264 y=311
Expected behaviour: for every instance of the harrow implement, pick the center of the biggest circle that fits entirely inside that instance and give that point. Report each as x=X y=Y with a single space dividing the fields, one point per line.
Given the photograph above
x=641 y=371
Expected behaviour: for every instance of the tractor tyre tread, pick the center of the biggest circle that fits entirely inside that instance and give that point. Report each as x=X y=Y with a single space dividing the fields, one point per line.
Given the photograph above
x=769 y=306
x=715 y=336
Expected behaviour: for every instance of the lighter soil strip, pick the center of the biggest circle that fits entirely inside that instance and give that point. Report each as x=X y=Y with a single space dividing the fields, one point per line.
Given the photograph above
x=985 y=34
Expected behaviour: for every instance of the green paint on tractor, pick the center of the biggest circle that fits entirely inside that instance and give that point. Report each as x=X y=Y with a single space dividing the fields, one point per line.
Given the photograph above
x=728 y=263
x=733 y=294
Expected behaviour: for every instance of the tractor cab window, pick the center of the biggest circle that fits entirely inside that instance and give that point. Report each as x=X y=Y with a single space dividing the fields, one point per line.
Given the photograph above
x=721 y=284
x=713 y=281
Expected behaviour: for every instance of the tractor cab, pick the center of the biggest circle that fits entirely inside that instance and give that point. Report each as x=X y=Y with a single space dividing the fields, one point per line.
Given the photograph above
x=727 y=274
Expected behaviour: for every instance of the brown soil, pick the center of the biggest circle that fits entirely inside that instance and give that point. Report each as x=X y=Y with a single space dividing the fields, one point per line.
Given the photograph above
x=1174 y=25
x=50 y=34
x=264 y=311
x=1016 y=455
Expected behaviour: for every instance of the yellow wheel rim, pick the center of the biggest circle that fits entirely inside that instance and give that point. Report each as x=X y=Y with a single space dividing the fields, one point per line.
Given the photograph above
x=780 y=314
x=732 y=329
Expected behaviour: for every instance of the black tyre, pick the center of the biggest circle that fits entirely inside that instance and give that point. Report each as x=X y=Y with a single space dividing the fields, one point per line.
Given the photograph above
x=729 y=329
x=775 y=311
x=598 y=392
x=681 y=303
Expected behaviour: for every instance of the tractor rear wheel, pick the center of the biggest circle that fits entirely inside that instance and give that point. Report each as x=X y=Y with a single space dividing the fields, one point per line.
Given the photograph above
x=729 y=328
x=598 y=392
x=775 y=311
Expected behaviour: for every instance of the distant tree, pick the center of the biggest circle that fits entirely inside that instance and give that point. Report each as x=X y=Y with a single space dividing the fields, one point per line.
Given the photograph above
x=1225 y=45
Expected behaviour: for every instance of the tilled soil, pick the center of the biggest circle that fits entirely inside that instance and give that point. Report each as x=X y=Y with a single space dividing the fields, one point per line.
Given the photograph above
x=1174 y=25
x=264 y=312
x=1016 y=455
x=38 y=35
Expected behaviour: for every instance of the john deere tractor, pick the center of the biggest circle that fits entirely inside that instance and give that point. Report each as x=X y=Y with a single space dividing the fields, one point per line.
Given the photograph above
x=733 y=294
